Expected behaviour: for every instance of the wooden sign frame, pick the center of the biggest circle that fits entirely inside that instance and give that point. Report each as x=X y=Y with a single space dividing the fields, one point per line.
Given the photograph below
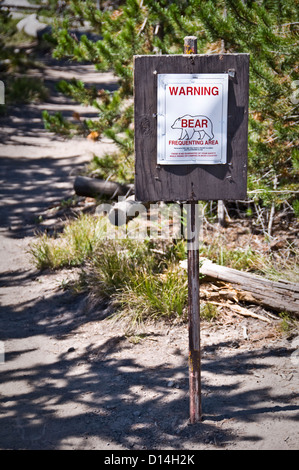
x=154 y=182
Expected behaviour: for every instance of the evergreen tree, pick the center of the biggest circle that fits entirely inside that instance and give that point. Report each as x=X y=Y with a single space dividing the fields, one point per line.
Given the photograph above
x=14 y=63
x=133 y=28
x=267 y=29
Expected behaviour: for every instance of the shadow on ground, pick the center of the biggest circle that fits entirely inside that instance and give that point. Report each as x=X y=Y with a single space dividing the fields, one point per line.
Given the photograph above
x=29 y=186
x=98 y=391
x=37 y=168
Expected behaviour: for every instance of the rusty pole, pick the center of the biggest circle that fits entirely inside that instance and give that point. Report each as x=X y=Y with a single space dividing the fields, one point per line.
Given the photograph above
x=194 y=315
x=190 y=47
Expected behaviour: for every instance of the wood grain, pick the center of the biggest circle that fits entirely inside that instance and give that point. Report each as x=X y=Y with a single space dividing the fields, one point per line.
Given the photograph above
x=191 y=182
x=281 y=296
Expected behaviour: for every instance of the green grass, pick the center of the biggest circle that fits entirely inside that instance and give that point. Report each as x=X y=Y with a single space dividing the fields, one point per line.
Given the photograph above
x=71 y=247
x=209 y=312
x=142 y=279
x=277 y=267
x=274 y=266
x=151 y=296
x=244 y=260
x=287 y=323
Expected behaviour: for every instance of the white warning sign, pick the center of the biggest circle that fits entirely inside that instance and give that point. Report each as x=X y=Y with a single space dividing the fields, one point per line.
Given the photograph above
x=192 y=119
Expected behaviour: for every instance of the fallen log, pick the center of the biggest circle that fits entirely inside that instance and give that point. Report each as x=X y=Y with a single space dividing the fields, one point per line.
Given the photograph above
x=93 y=187
x=280 y=296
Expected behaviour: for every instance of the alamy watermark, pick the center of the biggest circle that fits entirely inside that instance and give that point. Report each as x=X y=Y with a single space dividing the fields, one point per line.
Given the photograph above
x=153 y=221
x=2 y=92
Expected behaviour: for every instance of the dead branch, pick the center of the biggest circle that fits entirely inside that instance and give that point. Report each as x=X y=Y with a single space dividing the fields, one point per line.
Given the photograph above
x=241 y=310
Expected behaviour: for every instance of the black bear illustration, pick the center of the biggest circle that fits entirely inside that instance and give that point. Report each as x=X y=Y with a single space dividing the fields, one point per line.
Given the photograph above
x=190 y=125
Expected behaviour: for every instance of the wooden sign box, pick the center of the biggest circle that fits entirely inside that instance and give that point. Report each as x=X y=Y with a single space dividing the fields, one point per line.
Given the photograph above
x=191 y=182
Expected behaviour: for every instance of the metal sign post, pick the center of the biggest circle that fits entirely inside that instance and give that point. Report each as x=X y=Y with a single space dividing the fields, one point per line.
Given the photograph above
x=194 y=357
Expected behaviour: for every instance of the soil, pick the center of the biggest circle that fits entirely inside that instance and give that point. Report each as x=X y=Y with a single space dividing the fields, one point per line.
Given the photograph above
x=73 y=379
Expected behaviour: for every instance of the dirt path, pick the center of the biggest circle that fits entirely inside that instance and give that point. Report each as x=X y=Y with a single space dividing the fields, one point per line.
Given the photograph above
x=73 y=380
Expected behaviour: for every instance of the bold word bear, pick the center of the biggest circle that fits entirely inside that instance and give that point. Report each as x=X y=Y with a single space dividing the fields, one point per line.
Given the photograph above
x=189 y=125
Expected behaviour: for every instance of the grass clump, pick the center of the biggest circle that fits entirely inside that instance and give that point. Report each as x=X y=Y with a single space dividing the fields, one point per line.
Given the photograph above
x=142 y=279
x=287 y=323
x=71 y=247
x=244 y=260
x=153 y=296
x=281 y=265
x=209 y=312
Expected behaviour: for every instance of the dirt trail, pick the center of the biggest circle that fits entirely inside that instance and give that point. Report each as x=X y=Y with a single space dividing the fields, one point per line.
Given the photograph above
x=73 y=380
